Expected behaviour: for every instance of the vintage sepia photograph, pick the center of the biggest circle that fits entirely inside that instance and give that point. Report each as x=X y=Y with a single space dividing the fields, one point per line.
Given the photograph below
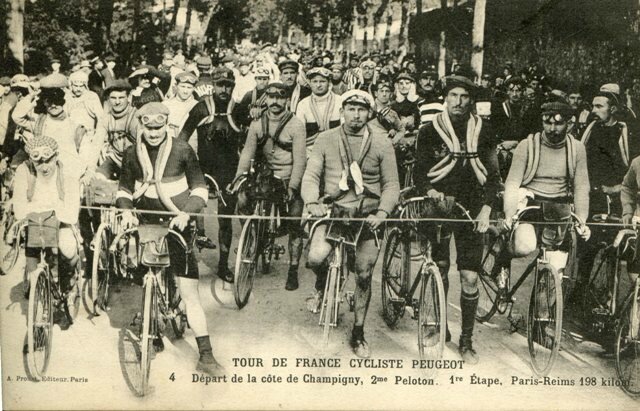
x=319 y=204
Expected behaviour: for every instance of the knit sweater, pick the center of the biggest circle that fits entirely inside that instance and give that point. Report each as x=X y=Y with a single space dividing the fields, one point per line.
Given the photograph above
x=305 y=113
x=286 y=164
x=630 y=189
x=379 y=171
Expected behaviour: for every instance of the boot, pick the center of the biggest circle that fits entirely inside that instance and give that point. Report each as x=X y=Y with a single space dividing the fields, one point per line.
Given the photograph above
x=468 y=305
x=223 y=271
x=292 y=278
x=207 y=363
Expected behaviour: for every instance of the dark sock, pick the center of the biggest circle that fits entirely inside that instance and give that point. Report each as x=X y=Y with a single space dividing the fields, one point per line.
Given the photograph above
x=293 y=268
x=321 y=276
x=358 y=332
x=204 y=348
x=201 y=232
x=468 y=305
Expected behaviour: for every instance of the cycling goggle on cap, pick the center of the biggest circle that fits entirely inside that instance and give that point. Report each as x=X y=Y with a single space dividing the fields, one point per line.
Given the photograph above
x=556 y=111
x=153 y=115
x=277 y=89
x=41 y=149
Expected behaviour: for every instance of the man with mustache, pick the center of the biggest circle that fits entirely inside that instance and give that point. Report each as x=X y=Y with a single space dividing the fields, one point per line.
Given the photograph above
x=351 y=163
x=217 y=150
x=277 y=141
x=289 y=76
x=162 y=173
x=456 y=156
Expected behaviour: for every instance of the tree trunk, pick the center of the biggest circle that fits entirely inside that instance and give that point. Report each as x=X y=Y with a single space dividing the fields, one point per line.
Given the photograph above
x=105 y=12
x=404 y=17
x=15 y=31
x=365 y=41
x=204 y=27
x=187 y=25
x=442 y=51
x=174 y=16
x=477 y=51
x=387 y=33
x=377 y=17
x=354 y=30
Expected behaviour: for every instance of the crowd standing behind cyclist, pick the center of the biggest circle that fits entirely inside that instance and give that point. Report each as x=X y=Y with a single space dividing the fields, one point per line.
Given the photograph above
x=452 y=160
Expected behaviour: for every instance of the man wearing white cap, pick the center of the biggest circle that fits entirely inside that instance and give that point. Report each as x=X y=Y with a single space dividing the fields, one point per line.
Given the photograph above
x=182 y=102
x=351 y=162
x=321 y=110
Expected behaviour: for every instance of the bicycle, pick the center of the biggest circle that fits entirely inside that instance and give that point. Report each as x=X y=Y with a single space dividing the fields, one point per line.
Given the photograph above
x=429 y=309
x=14 y=238
x=259 y=231
x=161 y=301
x=340 y=233
x=105 y=259
x=544 y=317
x=605 y=314
x=45 y=295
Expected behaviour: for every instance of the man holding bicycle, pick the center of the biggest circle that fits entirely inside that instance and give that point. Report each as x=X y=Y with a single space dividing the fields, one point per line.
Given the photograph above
x=278 y=142
x=456 y=157
x=162 y=173
x=351 y=162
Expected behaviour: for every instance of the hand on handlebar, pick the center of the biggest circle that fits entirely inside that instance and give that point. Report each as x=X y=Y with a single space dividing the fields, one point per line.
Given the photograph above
x=317 y=210
x=482 y=224
x=373 y=221
x=181 y=221
x=435 y=194
x=583 y=231
x=128 y=220
x=627 y=220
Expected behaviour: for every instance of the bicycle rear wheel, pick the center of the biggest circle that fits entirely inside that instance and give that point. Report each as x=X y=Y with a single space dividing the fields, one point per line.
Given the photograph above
x=395 y=270
x=147 y=333
x=100 y=270
x=432 y=315
x=39 y=323
x=597 y=290
x=246 y=261
x=544 y=325
x=628 y=346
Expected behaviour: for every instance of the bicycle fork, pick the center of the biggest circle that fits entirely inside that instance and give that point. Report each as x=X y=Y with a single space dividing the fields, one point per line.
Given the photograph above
x=333 y=287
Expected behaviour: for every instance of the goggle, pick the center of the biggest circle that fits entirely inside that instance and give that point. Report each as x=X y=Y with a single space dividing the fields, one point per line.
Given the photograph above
x=41 y=154
x=515 y=87
x=558 y=118
x=153 y=118
x=277 y=92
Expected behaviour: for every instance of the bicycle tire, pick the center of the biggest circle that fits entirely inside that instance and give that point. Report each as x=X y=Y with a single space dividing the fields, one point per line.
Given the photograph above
x=178 y=318
x=246 y=261
x=100 y=270
x=147 y=334
x=39 y=324
x=432 y=327
x=571 y=269
x=626 y=346
x=544 y=332
x=395 y=268
x=329 y=301
x=597 y=288
x=488 y=299
x=73 y=296
x=10 y=258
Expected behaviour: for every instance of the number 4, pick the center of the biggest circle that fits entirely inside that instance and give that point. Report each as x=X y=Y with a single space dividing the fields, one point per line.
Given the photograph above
x=172 y=377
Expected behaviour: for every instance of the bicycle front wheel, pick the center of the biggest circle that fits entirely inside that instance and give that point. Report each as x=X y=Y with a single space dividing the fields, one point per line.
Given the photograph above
x=246 y=261
x=490 y=295
x=628 y=347
x=100 y=270
x=330 y=305
x=147 y=333
x=39 y=324
x=395 y=271
x=544 y=325
x=432 y=315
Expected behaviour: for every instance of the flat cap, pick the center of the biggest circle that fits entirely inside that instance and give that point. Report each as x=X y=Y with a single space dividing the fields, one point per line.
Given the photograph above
x=85 y=64
x=277 y=88
x=557 y=107
x=223 y=75
x=451 y=82
x=117 y=85
x=285 y=64
x=19 y=80
x=405 y=76
x=204 y=61
x=55 y=80
x=358 y=97
x=78 y=77
x=337 y=66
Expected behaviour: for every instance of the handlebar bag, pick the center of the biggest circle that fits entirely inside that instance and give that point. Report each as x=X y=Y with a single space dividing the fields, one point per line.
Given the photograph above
x=155 y=252
x=42 y=230
x=102 y=192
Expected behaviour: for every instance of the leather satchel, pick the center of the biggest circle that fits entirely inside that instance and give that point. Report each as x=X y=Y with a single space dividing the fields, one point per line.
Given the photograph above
x=42 y=230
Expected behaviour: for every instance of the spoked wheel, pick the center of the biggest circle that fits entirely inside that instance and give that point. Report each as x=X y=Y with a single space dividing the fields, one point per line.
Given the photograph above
x=544 y=325
x=628 y=347
x=39 y=324
x=10 y=258
x=246 y=261
x=395 y=271
x=596 y=293
x=147 y=334
x=101 y=270
x=73 y=296
x=490 y=296
x=432 y=316
x=267 y=251
x=329 y=306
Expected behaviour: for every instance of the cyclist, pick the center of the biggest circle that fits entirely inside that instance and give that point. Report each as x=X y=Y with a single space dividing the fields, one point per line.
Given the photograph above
x=182 y=102
x=252 y=104
x=456 y=157
x=277 y=141
x=45 y=183
x=351 y=161
x=321 y=110
x=217 y=151
x=162 y=173
x=289 y=70
x=407 y=101
x=549 y=169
